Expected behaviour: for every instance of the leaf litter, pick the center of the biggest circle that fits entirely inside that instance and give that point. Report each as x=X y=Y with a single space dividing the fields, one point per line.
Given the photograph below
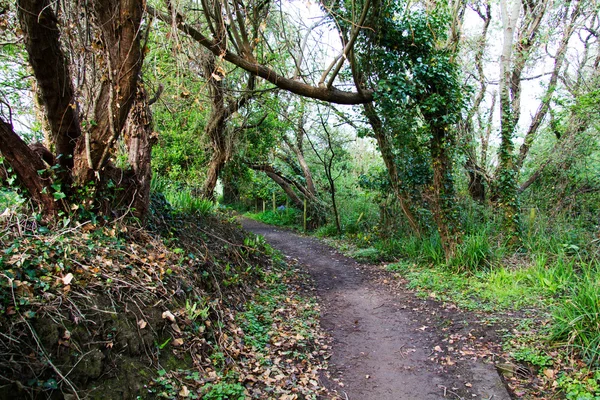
x=194 y=308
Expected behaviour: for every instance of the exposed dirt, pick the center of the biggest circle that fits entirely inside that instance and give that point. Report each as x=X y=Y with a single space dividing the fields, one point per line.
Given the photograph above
x=388 y=344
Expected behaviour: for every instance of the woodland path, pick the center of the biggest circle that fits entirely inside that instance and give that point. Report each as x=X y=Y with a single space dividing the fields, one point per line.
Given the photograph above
x=383 y=346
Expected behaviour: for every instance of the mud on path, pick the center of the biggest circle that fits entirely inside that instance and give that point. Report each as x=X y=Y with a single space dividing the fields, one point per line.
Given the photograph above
x=384 y=348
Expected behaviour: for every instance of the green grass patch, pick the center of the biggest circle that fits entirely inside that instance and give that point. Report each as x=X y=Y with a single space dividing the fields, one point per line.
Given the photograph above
x=576 y=319
x=580 y=385
x=287 y=217
x=490 y=289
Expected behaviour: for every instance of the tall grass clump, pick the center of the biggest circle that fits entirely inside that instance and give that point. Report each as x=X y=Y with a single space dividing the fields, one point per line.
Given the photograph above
x=186 y=202
x=182 y=198
x=576 y=320
x=476 y=252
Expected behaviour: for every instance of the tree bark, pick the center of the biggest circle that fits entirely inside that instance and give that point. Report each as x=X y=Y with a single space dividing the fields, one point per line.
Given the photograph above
x=50 y=68
x=442 y=192
x=507 y=186
x=390 y=163
x=140 y=140
x=29 y=168
x=216 y=128
x=119 y=23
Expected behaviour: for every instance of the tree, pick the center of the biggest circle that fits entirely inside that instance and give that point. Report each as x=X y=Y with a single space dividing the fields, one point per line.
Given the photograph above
x=410 y=60
x=216 y=127
x=86 y=113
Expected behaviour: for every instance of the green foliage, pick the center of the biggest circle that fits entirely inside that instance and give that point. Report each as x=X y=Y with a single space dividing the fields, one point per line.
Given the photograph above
x=10 y=199
x=532 y=356
x=180 y=115
x=285 y=217
x=183 y=199
x=369 y=254
x=577 y=317
x=474 y=253
x=583 y=385
x=225 y=391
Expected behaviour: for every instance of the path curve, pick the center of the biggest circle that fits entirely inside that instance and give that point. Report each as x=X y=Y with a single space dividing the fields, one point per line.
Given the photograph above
x=381 y=348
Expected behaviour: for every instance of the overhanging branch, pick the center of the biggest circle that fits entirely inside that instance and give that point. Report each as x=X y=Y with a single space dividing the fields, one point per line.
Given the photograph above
x=330 y=94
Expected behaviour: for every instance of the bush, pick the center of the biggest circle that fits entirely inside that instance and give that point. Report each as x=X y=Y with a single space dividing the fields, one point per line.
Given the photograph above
x=370 y=254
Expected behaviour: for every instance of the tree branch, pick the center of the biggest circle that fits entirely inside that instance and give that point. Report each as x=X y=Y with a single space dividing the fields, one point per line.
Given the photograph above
x=332 y=94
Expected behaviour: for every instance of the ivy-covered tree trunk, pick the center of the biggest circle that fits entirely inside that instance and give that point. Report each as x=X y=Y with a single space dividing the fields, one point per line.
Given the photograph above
x=507 y=189
x=442 y=192
x=140 y=139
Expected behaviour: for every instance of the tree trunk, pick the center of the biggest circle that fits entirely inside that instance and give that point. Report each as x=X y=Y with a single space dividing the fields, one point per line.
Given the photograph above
x=115 y=28
x=476 y=181
x=507 y=176
x=140 y=139
x=216 y=164
x=50 y=68
x=390 y=163
x=216 y=128
x=26 y=164
x=119 y=22
x=442 y=193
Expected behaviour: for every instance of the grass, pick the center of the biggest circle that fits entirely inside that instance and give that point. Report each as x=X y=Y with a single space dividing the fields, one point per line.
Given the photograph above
x=576 y=320
x=290 y=217
x=183 y=200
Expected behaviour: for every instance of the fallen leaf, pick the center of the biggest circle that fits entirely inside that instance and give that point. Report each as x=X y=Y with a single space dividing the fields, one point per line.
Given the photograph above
x=142 y=324
x=66 y=280
x=168 y=315
x=184 y=392
x=178 y=342
x=549 y=373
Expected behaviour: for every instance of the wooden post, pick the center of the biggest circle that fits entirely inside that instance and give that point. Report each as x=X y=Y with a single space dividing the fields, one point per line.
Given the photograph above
x=287 y=206
x=305 y=214
x=264 y=205
x=274 y=203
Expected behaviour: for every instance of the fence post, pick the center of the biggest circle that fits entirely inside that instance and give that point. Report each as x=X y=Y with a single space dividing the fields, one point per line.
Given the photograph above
x=305 y=214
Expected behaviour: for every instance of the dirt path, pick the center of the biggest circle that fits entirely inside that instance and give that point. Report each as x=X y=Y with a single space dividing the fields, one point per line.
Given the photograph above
x=383 y=347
